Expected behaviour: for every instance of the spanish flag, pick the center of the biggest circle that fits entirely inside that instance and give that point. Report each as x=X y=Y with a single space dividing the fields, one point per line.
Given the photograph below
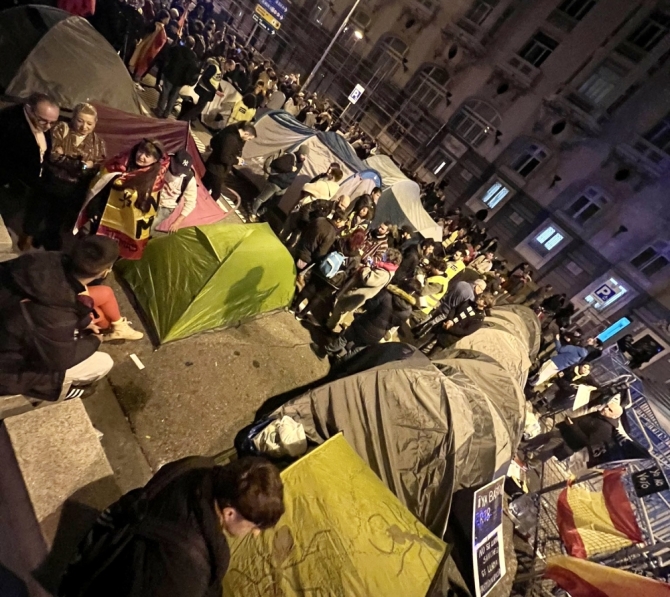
x=591 y=522
x=581 y=578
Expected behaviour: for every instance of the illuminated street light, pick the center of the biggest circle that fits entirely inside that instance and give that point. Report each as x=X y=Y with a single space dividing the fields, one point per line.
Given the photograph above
x=358 y=35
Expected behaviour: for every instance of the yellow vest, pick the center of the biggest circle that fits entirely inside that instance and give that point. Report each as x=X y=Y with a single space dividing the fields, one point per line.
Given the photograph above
x=453 y=268
x=215 y=79
x=241 y=113
x=432 y=300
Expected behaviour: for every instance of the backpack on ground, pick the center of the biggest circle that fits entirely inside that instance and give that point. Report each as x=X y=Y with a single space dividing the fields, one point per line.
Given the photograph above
x=331 y=264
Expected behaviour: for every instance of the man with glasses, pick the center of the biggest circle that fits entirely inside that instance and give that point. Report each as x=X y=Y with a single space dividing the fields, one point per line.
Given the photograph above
x=26 y=140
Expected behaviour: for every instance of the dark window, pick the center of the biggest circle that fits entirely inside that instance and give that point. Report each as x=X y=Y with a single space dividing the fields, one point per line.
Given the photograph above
x=652 y=31
x=643 y=257
x=577 y=9
x=538 y=49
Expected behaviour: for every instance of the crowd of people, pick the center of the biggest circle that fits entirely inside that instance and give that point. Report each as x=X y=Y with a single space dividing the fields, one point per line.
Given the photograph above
x=360 y=281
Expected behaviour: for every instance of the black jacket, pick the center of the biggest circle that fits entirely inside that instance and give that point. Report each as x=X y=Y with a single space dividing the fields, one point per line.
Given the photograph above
x=411 y=258
x=316 y=241
x=34 y=356
x=147 y=567
x=182 y=66
x=19 y=152
x=388 y=309
x=588 y=430
x=283 y=172
x=227 y=146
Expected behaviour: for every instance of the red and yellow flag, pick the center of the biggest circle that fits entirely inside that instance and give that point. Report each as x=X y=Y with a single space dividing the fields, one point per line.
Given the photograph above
x=582 y=578
x=593 y=522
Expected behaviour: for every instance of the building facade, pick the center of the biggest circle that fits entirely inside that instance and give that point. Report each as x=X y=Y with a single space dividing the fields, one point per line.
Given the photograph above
x=554 y=115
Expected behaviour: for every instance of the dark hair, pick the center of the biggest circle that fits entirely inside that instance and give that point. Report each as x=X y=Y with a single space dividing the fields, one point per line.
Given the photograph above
x=162 y=14
x=249 y=100
x=375 y=190
x=339 y=216
x=143 y=182
x=336 y=173
x=190 y=42
x=91 y=255
x=248 y=128
x=488 y=299
x=253 y=487
x=37 y=98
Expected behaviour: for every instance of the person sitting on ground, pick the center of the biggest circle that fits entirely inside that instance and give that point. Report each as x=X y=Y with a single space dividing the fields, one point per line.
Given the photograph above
x=48 y=342
x=465 y=320
x=377 y=243
x=483 y=263
x=366 y=199
x=572 y=435
x=361 y=218
x=170 y=537
x=333 y=173
x=368 y=282
x=282 y=172
x=411 y=259
x=180 y=184
x=389 y=309
x=566 y=356
x=73 y=161
x=227 y=146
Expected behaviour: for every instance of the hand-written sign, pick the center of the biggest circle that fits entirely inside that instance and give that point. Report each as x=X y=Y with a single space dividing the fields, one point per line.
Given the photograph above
x=488 y=553
x=649 y=481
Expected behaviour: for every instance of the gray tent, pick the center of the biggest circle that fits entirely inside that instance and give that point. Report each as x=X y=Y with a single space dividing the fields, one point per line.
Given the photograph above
x=49 y=50
x=429 y=429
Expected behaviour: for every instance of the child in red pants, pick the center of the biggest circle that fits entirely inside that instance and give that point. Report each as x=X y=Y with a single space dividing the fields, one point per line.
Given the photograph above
x=107 y=315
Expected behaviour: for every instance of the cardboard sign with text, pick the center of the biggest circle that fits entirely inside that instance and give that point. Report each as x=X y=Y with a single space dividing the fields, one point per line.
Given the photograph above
x=487 y=537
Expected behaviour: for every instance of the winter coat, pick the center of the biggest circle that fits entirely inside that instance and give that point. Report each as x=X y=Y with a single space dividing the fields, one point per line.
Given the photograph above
x=182 y=66
x=284 y=170
x=316 y=241
x=389 y=309
x=161 y=568
x=34 y=356
x=227 y=147
x=371 y=280
x=459 y=293
x=19 y=152
x=588 y=430
x=411 y=258
x=568 y=355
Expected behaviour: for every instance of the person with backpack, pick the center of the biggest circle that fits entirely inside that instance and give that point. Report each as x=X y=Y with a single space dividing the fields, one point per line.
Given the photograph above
x=181 y=68
x=168 y=539
x=180 y=184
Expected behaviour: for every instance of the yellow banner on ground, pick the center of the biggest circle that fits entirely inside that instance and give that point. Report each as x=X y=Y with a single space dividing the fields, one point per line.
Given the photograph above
x=343 y=533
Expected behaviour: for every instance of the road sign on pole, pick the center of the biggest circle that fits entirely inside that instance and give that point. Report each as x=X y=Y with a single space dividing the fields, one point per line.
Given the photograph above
x=269 y=14
x=355 y=95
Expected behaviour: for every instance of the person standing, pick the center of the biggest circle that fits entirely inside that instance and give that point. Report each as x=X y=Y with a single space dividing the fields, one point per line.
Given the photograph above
x=48 y=342
x=148 y=49
x=26 y=140
x=169 y=539
x=227 y=147
x=181 y=69
x=179 y=185
x=73 y=161
x=566 y=356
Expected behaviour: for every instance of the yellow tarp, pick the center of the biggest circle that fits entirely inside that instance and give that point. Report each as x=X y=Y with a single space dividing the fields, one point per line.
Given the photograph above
x=343 y=534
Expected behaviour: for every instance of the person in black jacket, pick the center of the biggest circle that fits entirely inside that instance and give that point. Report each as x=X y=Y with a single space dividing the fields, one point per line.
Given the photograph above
x=568 y=382
x=283 y=171
x=568 y=437
x=181 y=69
x=167 y=539
x=317 y=239
x=47 y=340
x=463 y=321
x=411 y=259
x=208 y=85
x=26 y=140
x=388 y=309
x=227 y=147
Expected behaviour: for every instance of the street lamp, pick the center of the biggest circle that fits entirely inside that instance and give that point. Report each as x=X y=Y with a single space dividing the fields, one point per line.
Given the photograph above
x=358 y=35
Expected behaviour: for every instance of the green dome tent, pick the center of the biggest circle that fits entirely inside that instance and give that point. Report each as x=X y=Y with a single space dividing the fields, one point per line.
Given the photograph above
x=206 y=277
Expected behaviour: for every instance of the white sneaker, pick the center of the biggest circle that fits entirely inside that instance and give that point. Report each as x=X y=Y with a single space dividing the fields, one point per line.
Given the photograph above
x=121 y=330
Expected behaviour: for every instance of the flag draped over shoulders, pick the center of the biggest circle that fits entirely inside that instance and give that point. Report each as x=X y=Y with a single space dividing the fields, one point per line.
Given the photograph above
x=147 y=50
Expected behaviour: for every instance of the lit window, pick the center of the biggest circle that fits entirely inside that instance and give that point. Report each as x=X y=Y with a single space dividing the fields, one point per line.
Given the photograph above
x=529 y=160
x=495 y=194
x=480 y=10
x=605 y=79
x=650 y=262
x=439 y=163
x=474 y=121
x=538 y=49
x=549 y=238
x=577 y=9
x=587 y=205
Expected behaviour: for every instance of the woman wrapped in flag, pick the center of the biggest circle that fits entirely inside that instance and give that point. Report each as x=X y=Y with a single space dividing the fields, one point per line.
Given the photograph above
x=123 y=199
x=149 y=47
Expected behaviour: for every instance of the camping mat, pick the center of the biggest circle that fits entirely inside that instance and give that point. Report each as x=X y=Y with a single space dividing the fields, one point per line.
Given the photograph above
x=344 y=534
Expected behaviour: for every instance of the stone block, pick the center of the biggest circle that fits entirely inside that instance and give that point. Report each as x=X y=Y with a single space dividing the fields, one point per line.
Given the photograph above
x=66 y=475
